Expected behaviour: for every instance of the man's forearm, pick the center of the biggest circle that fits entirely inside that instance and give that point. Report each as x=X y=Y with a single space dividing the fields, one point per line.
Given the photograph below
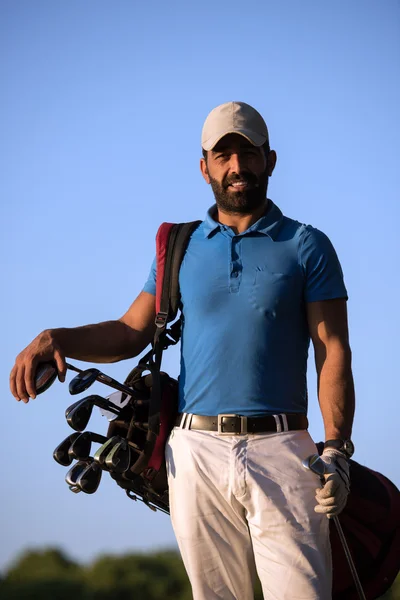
x=336 y=391
x=105 y=342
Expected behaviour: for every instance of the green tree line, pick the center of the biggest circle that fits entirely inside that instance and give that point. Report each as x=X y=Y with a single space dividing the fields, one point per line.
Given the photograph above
x=51 y=574
x=41 y=575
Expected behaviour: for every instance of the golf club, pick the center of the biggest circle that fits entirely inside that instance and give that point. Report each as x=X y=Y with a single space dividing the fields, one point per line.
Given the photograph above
x=116 y=400
x=89 y=479
x=104 y=450
x=317 y=466
x=73 y=405
x=73 y=474
x=46 y=374
x=119 y=458
x=85 y=379
x=61 y=454
x=100 y=401
x=78 y=415
x=81 y=445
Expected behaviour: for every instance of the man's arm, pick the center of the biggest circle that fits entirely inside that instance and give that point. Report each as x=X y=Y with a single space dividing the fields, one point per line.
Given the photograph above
x=103 y=342
x=111 y=341
x=327 y=321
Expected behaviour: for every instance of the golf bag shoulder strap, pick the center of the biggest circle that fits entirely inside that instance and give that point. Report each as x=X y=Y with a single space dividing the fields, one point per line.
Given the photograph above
x=171 y=243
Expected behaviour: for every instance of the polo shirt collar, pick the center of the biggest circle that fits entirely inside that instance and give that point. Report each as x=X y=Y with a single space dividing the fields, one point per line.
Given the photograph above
x=269 y=224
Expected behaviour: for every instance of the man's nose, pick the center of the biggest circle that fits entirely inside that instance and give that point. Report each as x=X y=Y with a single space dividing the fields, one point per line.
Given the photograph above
x=236 y=163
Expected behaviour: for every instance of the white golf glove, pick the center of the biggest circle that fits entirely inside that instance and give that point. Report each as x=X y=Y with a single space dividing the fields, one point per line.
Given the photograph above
x=332 y=497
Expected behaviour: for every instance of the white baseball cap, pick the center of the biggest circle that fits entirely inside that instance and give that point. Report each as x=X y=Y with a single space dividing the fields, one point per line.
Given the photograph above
x=234 y=117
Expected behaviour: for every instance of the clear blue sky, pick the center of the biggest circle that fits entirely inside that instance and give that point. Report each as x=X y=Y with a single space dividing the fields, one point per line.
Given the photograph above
x=102 y=106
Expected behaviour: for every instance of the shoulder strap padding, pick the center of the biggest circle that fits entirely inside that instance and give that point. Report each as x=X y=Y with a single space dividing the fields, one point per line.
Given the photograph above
x=181 y=244
x=162 y=238
x=171 y=243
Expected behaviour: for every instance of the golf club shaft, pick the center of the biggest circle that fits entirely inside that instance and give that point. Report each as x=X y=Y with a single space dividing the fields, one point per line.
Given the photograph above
x=115 y=384
x=96 y=437
x=350 y=561
x=72 y=368
x=317 y=466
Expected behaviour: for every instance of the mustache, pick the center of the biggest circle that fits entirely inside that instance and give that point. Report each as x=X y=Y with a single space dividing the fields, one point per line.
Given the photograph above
x=248 y=178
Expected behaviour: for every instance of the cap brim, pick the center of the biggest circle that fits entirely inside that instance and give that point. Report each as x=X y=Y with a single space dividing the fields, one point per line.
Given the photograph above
x=254 y=138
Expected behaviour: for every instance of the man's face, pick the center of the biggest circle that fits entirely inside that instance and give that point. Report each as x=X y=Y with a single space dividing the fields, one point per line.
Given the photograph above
x=238 y=173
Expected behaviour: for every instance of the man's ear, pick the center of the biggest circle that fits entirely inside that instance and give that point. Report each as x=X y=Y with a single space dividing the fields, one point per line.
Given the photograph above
x=271 y=162
x=204 y=170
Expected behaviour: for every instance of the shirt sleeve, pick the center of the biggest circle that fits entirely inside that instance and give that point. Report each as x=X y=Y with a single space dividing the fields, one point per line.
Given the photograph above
x=150 y=285
x=321 y=266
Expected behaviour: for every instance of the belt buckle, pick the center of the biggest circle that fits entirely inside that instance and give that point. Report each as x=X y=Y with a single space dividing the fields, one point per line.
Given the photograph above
x=243 y=424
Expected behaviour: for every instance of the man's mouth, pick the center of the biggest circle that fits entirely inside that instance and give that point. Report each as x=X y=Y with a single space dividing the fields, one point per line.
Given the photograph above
x=241 y=185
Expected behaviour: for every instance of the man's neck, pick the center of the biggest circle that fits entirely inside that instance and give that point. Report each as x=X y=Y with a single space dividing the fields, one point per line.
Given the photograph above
x=239 y=222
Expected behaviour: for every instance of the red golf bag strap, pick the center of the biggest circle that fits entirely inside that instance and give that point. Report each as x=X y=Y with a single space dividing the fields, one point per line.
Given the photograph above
x=171 y=243
x=162 y=239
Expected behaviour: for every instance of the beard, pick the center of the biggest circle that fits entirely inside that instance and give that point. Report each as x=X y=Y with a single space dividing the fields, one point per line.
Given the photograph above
x=240 y=202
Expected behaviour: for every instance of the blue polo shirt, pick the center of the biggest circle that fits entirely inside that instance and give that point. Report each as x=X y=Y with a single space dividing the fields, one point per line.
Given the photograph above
x=245 y=338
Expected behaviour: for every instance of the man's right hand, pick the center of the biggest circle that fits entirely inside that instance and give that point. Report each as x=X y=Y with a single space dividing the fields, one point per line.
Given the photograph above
x=43 y=348
x=101 y=343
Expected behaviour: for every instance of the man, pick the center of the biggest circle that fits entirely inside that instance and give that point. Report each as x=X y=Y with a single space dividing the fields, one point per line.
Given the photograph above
x=255 y=287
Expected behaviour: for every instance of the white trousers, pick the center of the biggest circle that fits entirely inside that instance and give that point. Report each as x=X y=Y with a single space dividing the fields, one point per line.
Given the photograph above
x=244 y=503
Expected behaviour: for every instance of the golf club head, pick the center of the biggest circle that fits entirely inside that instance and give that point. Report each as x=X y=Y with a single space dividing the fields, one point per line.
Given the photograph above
x=80 y=447
x=119 y=458
x=68 y=410
x=102 y=453
x=61 y=454
x=74 y=472
x=89 y=479
x=83 y=381
x=79 y=416
x=315 y=464
x=45 y=375
x=116 y=401
x=103 y=403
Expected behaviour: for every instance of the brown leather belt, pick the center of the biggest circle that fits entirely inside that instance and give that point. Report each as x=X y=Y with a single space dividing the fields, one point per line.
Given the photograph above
x=228 y=424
